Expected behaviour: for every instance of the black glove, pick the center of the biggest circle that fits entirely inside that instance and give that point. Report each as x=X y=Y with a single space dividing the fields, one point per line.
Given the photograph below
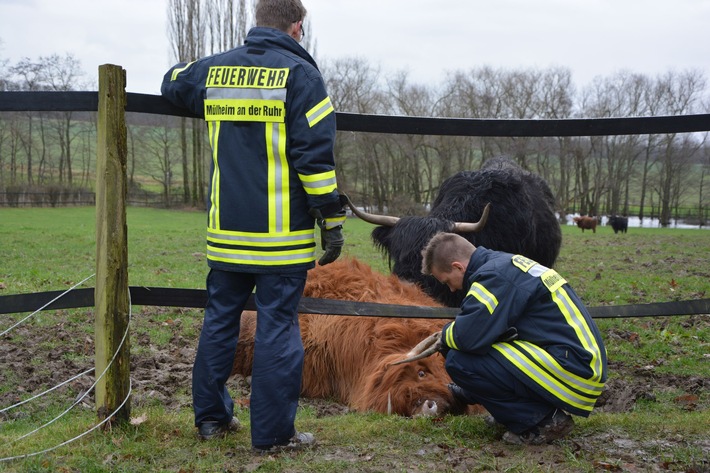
x=443 y=348
x=509 y=335
x=331 y=241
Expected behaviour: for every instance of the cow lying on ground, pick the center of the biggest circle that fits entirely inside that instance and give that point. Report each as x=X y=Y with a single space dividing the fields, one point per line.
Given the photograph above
x=347 y=358
x=588 y=223
x=619 y=224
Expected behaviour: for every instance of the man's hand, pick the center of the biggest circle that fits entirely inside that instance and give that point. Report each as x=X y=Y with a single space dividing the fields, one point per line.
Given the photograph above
x=443 y=347
x=332 y=242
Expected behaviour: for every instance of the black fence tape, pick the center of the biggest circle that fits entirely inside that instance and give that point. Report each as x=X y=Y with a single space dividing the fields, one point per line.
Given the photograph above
x=197 y=298
x=168 y=297
x=156 y=104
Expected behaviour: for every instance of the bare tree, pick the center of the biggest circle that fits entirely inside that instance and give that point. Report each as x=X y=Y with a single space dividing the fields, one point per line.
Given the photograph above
x=352 y=84
x=620 y=95
x=62 y=74
x=186 y=35
x=475 y=94
x=414 y=167
x=159 y=142
x=677 y=93
x=4 y=74
x=228 y=21
x=30 y=74
x=192 y=25
x=4 y=134
x=704 y=169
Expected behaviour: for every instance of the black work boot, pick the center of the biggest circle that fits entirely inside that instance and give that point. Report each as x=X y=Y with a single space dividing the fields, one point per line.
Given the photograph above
x=210 y=429
x=553 y=427
x=300 y=441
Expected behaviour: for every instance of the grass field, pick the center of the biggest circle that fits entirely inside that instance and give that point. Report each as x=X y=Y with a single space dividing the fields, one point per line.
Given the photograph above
x=50 y=249
x=659 y=366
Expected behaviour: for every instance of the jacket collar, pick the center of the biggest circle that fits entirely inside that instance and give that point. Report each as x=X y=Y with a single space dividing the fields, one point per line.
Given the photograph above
x=260 y=36
x=478 y=258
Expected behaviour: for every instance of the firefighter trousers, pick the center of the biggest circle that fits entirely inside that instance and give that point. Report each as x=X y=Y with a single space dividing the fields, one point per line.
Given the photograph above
x=278 y=352
x=504 y=396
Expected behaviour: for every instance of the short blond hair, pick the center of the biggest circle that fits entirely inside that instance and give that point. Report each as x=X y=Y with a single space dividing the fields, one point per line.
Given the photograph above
x=443 y=249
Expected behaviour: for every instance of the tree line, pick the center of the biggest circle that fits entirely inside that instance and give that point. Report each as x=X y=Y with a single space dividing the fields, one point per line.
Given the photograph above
x=644 y=175
x=589 y=175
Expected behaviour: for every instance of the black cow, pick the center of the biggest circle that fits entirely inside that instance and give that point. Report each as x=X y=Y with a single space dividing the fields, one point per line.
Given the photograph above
x=521 y=221
x=619 y=224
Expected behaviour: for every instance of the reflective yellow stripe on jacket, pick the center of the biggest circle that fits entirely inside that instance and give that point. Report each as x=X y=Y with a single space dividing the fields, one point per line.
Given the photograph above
x=319 y=112
x=537 y=363
x=260 y=248
x=562 y=384
x=484 y=296
x=449 y=336
x=319 y=184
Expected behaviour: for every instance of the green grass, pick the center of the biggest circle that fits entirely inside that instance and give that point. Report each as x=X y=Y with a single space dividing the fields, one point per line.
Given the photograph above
x=164 y=441
x=52 y=249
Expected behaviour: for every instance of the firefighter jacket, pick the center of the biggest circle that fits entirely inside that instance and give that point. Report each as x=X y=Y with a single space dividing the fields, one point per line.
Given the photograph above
x=558 y=351
x=271 y=127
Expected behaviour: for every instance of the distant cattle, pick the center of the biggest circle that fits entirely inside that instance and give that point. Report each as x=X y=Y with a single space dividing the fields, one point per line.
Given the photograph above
x=348 y=358
x=586 y=223
x=522 y=220
x=619 y=224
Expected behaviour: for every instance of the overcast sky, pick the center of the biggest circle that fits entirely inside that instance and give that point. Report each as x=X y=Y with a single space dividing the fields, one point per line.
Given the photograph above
x=427 y=38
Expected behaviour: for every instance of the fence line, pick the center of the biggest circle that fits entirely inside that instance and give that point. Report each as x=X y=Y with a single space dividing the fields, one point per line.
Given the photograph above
x=49 y=199
x=197 y=298
x=156 y=104
x=111 y=102
x=16 y=199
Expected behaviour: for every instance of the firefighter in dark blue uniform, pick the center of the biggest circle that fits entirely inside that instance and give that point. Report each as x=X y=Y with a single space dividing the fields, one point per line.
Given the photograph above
x=523 y=345
x=271 y=128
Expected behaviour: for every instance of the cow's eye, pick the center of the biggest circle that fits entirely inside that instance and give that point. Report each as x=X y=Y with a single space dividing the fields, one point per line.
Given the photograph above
x=422 y=374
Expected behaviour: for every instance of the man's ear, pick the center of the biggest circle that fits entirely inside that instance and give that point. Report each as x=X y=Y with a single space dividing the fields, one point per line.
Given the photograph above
x=456 y=265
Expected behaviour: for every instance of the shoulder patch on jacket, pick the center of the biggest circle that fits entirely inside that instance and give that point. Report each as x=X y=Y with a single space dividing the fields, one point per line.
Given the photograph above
x=549 y=277
x=523 y=263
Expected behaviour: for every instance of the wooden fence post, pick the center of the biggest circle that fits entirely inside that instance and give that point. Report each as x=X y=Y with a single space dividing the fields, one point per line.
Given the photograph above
x=111 y=292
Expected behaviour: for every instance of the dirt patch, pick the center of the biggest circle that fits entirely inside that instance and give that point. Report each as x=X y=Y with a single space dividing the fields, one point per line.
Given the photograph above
x=163 y=373
x=34 y=358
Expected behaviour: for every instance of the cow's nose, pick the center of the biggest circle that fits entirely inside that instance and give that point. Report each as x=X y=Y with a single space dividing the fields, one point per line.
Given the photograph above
x=429 y=408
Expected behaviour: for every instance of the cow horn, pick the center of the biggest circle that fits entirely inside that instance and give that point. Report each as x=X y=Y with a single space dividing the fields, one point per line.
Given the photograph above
x=425 y=348
x=386 y=220
x=468 y=227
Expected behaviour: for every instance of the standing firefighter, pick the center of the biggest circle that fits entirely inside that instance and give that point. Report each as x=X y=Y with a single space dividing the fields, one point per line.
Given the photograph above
x=523 y=345
x=272 y=130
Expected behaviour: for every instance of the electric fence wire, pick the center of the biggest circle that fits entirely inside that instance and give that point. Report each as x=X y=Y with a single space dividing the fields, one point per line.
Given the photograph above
x=48 y=303
x=32 y=315
x=5 y=409
x=66 y=442
x=81 y=398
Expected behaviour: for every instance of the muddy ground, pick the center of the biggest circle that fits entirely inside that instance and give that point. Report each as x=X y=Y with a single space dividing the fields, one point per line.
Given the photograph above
x=33 y=359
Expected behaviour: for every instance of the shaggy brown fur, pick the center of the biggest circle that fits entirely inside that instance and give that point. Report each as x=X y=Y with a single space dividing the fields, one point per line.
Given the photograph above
x=584 y=222
x=347 y=357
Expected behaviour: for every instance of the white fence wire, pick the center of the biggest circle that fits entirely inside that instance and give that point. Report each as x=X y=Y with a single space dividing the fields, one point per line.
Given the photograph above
x=78 y=400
